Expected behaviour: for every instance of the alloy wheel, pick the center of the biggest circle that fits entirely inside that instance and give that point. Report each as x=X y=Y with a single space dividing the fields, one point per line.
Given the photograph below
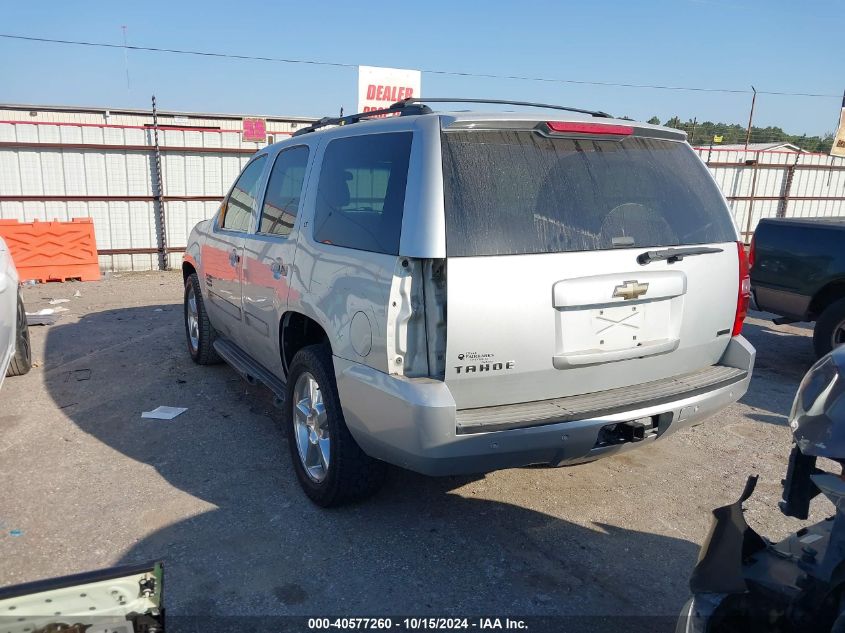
x=311 y=428
x=838 y=336
x=193 y=320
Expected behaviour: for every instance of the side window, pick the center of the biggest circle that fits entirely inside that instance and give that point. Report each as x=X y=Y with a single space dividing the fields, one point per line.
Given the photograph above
x=281 y=203
x=361 y=192
x=238 y=209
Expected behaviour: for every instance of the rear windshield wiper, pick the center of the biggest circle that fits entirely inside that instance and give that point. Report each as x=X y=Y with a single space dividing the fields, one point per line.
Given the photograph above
x=673 y=255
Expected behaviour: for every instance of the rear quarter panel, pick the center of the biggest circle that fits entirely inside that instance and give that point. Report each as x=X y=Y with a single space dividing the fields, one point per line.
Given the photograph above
x=331 y=285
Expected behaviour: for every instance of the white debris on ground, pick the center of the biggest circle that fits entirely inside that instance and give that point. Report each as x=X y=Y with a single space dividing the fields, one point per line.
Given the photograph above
x=163 y=413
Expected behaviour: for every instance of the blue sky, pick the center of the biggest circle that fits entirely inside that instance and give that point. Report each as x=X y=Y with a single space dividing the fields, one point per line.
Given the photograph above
x=775 y=45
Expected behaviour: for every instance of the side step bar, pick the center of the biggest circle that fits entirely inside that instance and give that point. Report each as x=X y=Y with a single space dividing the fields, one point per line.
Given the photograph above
x=250 y=370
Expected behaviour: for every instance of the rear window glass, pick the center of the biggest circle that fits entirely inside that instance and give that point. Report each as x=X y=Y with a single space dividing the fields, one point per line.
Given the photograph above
x=361 y=192
x=517 y=192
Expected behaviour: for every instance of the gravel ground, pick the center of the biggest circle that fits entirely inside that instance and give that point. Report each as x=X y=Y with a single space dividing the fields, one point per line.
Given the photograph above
x=87 y=484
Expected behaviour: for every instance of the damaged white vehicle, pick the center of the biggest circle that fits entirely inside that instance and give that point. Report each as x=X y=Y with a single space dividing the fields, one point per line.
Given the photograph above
x=457 y=292
x=15 y=358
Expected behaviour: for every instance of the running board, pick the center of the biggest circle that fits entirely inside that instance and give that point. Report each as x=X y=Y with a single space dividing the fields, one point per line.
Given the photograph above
x=250 y=370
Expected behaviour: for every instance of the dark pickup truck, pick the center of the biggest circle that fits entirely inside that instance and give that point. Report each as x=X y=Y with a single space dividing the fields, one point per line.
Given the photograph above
x=798 y=272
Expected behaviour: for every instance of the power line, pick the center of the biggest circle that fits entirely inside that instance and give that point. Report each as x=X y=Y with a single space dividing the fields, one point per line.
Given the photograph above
x=430 y=71
x=177 y=51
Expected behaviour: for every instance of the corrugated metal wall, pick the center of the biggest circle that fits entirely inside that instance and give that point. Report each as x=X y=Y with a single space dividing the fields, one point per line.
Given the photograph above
x=62 y=163
x=769 y=184
x=65 y=164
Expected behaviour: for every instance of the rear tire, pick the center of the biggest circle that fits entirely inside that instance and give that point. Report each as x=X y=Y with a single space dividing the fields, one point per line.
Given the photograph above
x=199 y=332
x=331 y=467
x=830 y=328
x=22 y=358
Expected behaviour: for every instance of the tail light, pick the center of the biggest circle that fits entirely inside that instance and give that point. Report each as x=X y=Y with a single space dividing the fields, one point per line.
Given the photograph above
x=744 y=294
x=579 y=127
x=752 y=252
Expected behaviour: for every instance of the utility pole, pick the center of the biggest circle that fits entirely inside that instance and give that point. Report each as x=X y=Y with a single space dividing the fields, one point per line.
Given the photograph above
x=750 y=118
x=838 y=132
x=158 y=194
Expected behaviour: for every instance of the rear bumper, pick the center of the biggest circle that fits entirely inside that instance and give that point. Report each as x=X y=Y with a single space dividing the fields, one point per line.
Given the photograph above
x=414 y=423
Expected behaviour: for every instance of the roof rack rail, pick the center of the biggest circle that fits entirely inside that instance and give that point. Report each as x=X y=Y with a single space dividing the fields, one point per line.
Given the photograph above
x=417 y=105
x=399 y=106
x=530 y=104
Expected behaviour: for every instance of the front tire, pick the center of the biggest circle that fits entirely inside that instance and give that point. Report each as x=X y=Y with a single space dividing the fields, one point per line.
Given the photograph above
x=198 y=329
x=330 y=466
x=830 y=328
x=22 y=359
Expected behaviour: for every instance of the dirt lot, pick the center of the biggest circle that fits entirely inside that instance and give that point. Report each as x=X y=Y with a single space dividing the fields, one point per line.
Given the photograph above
x=87 y=483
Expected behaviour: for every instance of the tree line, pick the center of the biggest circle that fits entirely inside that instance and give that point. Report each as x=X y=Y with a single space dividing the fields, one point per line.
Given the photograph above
x=704 y=132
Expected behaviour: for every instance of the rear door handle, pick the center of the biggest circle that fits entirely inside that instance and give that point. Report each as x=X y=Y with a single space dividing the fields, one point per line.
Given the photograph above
x=278 y=268
x=234 y=258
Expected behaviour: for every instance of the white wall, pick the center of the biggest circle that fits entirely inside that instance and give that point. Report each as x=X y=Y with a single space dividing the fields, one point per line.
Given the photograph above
x=114 y=172
x=825 y=182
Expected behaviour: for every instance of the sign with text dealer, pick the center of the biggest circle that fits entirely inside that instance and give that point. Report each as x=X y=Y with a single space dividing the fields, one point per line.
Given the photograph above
x=380 y=87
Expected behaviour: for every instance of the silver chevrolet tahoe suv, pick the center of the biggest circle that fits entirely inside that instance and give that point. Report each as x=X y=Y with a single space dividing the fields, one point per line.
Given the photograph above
x=459 y=292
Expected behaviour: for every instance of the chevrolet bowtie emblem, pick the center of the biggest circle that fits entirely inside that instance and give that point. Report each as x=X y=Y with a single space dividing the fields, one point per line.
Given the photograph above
x=630 y=290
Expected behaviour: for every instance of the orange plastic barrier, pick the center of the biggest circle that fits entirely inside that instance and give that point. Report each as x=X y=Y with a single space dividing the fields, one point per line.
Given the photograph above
x=53 y=251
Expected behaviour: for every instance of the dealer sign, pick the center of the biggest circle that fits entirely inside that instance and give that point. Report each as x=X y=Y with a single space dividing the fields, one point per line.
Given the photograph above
x=379 y=87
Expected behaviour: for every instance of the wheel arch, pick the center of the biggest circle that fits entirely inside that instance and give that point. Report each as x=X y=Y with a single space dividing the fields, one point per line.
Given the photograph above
x=828 y=294
x=188 y=269
x=297 y=330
